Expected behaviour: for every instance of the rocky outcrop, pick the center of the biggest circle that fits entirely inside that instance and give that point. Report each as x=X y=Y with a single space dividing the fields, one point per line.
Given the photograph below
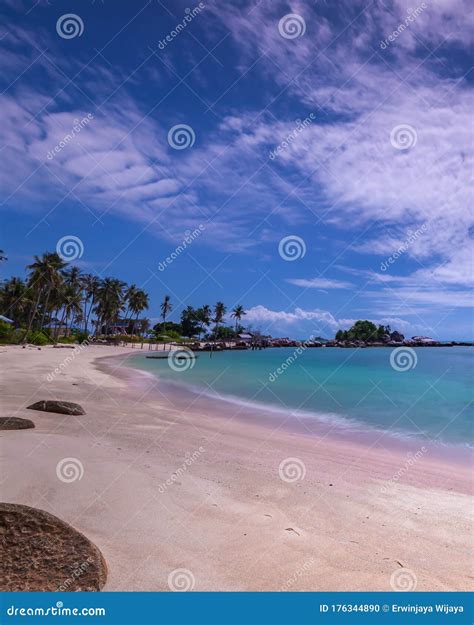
x=15 y=423
x=61 y=407
x=39 y=552
x=397 y=337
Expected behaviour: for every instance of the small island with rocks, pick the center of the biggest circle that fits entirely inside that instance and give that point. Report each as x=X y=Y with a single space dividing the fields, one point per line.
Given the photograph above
x=365 y=333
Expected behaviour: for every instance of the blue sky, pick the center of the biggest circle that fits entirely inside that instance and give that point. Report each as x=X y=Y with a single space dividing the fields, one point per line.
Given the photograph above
x=325 y=166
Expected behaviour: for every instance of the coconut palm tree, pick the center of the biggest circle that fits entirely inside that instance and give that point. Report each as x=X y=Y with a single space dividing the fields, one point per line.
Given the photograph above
x=130 y=297
x=138 y=303
x=72 y=309
x=203 y=316
x=166 y=308
x=219 y=313
x=90 y=285
x=237 y=313
x=45 y=276
x=109 y=302
x=15 y=300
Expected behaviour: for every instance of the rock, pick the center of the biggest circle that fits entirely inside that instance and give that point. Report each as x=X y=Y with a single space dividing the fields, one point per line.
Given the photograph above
x=15 y=423
x=42 y=553
x=397 y=337
x=62 y=407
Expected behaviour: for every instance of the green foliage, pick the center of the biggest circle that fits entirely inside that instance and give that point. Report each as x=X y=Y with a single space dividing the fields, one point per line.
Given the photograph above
x=362 y=330
x=5 y=330
x=38 y=338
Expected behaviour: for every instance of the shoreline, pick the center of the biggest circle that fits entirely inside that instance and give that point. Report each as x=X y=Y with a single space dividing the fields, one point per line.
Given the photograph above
x=153 y=504
x=304 y=423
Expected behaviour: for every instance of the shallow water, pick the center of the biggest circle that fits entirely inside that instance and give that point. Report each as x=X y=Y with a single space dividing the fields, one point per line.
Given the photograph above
x=425 y=393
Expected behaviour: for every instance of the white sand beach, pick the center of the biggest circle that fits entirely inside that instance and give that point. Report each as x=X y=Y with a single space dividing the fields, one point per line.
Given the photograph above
x=168 y=487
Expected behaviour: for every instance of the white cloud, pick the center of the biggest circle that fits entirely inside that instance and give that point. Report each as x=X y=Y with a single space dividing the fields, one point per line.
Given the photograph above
x=320 y=283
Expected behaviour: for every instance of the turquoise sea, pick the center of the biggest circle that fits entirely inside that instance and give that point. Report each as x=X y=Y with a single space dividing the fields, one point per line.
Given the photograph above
x=424 y=393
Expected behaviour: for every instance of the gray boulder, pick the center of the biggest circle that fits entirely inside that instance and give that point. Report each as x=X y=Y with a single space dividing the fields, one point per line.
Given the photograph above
x=15 y=423
x=61 y=407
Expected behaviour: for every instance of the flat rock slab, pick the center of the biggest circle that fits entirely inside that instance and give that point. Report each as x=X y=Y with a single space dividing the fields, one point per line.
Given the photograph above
x=61 y=407
x=15 y=423
x=39 y=552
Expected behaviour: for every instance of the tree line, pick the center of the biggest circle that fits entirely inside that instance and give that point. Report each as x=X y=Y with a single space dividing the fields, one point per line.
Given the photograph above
x=59 y=299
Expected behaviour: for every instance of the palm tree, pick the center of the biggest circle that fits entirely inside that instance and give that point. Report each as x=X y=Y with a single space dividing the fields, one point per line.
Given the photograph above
x=109 y=302
x=219 y=312
x=237 y=313
x=15 y=300
x=166 y=308
x=129 y=296
x=45 y=276
x=203 y=315
x=2 y=256
x=72 y=308
x=90 y=285
x=138 y=303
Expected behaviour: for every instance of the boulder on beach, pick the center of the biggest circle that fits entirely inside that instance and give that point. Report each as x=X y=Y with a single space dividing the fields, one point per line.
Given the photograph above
x=15 y=423
x=61 y=407
x=42 y=553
